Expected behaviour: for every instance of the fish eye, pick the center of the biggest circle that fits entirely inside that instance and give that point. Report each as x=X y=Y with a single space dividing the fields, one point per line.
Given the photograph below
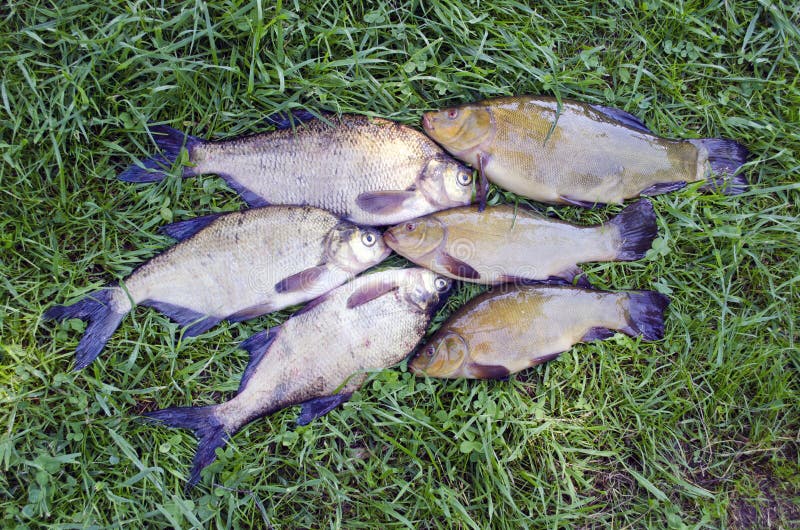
x=411 y=226
x=465 y=179
x=368 y=238
x=430 y=350
x=452 y=114
x=441 y=284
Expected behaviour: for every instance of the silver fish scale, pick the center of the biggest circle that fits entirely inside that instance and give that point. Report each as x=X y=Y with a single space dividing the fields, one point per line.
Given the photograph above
x=319 y=164
x=234 y=263
x=297 y=367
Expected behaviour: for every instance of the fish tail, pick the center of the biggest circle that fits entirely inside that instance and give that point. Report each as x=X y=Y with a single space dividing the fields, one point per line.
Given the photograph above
x=725 y=158
x=637 y=229
x=97 y=310
x=207 y=427
x=170 y=141
x=646 y=314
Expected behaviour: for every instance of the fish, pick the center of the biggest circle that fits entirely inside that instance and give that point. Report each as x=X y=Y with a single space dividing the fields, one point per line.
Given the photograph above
x=505 y=243
x=579 y=154
x=369 y=324
x=370 y=171
x=232 y=266
x=507 y=330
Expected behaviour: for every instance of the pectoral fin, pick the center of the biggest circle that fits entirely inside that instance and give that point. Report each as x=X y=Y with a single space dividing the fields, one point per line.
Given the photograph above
x=483 y=182
x=302 y=281
x=664 y=187
x=369 y=292
x=383 y=202
x=488 y=371
x=459 y=268
x=314 y=408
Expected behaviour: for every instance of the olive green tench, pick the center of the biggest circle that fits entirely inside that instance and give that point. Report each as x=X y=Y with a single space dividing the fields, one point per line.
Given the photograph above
x=506 y=244
x=578 y=153
x=507 y=330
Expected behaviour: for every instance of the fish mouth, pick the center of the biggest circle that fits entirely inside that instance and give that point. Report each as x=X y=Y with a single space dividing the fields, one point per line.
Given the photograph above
x=426 y=122
x=390 y=239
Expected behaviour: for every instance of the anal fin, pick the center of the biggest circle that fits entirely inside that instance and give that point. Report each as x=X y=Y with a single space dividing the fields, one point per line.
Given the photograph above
x=195 y=323
x=314 y=408
x=664 y=187
x=597 y=334
x=577 y=202
x=257 y=346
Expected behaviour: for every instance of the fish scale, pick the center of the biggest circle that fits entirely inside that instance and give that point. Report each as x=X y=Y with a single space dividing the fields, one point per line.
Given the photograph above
x=368 y=170
x=367 y=325
x=581 y=154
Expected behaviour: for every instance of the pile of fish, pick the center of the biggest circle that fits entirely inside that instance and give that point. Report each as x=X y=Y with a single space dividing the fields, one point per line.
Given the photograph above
x=319 y=185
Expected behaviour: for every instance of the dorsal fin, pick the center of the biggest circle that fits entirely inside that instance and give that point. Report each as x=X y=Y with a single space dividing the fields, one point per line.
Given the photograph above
x=625 y=118
x=257 y=346
x=185 y=229
x=287 y=119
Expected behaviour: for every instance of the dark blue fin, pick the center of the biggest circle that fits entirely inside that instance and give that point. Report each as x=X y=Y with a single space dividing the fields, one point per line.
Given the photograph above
x=370 y=291
x=252 y=199
x=489 y=371
x=637 y=228
x=257 y=346
x=302 y=281
x=456 y=267
x=312 y=304
x=194 y=323
x=583 y=204
x=597 y=334
x=287 y=119
x=572 y=276
x=208 y=429
x=625 y=118
x=154 y=169
x=185 y=229
x=383 y=202
x=103 y=321
x=314 y=408
x=663 y=187
x=546 y=358
x=726 y=158
x=646 y=314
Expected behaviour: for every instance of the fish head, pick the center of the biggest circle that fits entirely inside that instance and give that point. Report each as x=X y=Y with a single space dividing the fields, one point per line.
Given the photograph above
x=446 y=183
x=354 y=248
x=442 y=356
x=416 y=238
x=425 y=289
x=460 y=130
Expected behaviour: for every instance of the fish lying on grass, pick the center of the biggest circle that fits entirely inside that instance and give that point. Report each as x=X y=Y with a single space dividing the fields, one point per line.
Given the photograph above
x=233 y=266
x=502 y=332
x=368 y=170
x=368 y=324
x=507 y=244
x=579 y=154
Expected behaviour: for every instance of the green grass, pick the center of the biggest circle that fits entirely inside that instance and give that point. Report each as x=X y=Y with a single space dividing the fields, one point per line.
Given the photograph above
x=700 y=430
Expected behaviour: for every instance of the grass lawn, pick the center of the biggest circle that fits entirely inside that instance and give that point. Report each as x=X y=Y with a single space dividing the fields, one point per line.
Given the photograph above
x=697 y=431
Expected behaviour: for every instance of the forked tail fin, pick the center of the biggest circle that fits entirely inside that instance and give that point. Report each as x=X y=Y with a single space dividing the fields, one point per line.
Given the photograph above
x=637 y=229
x=208 y=429
x=646 y=314
x=170 y=141
x=97 y=310
x=725 y=158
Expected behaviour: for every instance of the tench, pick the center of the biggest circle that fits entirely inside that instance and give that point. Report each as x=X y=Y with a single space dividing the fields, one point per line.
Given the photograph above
x=579 y=154
x=367 y=170
x=233 y=266
x=368 y=324
x=502 y=332
x=508 y=244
